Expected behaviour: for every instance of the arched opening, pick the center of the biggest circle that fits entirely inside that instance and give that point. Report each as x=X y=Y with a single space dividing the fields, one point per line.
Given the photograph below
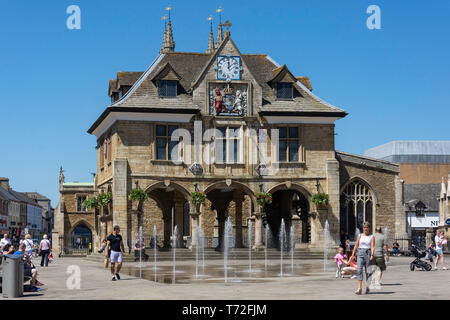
x=235 y=201
x=167 y=207
x=357 y=205
x=287 y=203
x=81 y=237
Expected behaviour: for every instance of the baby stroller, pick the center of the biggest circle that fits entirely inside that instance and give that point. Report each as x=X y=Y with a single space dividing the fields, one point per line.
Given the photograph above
x=418 y=263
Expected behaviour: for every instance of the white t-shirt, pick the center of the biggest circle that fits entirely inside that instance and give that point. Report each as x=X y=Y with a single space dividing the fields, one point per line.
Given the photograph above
x=365 y=241
x=436 y=240
x=28 y=243
x=45 y=244
x=4 y=242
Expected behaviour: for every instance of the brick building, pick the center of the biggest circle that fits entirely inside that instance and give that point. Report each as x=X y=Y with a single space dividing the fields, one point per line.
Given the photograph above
x=424 y=170
x=232 y=125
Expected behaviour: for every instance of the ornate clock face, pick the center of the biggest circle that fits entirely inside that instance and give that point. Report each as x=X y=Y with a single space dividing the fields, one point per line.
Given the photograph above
x=228 y=68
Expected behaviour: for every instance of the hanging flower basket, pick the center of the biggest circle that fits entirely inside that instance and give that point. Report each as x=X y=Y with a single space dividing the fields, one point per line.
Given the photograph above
x=197 y=198
x=320 y=199
x=263 y=198
x=91 y=203
x=137 y=194
x=104 y=198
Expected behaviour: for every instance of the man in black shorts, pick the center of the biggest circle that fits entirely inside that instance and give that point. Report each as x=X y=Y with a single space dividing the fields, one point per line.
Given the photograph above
x=115 y=244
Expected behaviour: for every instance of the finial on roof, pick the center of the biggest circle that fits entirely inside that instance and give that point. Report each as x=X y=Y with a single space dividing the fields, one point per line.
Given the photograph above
x=211 y=37
x=168 y=43
x=61 y=175
x=227 y=24
x=219 y=38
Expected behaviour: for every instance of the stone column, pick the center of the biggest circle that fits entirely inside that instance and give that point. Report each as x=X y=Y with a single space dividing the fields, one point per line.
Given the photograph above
x=297 y=223
x=258 y=231
x=195 y=223
x=333 y=186
x=221 y=219
x=120 y=199
x=400 y=214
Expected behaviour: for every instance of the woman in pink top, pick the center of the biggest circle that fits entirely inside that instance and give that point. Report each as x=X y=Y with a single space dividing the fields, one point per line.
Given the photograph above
x=44 y=250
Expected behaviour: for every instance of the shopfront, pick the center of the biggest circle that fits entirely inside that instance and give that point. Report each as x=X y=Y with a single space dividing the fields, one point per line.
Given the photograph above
x=417 y=226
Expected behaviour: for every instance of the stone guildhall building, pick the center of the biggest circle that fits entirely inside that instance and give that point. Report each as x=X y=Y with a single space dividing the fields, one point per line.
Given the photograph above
x=231 y=125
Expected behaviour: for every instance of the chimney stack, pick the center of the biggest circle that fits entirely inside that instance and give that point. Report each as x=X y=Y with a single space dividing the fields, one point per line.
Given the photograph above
x=4 y=183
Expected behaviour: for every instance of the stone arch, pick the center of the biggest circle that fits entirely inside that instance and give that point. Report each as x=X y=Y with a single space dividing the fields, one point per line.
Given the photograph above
x=358 y=203
x=86 y=224
x=294 y=186
x=362 y=180
x=288 y=197
x=223 y=184
x=161 y=184
x=171 y=210
x=234 y=200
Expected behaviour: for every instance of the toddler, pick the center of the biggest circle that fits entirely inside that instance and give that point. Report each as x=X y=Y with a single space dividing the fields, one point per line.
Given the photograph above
x=339 y=259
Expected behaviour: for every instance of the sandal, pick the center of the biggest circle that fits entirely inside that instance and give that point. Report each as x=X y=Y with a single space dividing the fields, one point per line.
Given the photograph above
x=359 y=291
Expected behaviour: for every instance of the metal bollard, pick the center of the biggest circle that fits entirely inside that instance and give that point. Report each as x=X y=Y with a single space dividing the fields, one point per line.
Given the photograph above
x=12 y=283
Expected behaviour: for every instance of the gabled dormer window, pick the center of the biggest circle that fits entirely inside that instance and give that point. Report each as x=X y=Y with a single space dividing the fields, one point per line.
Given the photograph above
x=167 y=88
x=285 y=90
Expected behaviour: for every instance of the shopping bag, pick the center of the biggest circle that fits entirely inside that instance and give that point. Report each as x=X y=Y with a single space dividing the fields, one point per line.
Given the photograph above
x=50 y=257
x=106 y=262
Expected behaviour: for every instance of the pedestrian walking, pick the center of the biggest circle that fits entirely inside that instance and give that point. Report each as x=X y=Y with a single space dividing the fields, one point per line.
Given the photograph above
x=439 y=241
x=363 y=252
x=5 y=240
x=115 y=244
x=381 y=254
x=29 y=245
x=44 y=250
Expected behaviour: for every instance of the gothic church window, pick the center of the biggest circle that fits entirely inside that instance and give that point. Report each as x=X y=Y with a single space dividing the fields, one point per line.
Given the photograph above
x=356 y=208
x=80 y=200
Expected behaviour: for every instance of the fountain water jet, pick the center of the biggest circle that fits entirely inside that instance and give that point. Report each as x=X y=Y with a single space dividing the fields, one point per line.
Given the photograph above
x=266 y=246
x=226 y=239
x=292 y=245
x=174 y=248
x=326 y=242
x=282 y=241
x=249 y=237
x=140 y=251
x=154 y=250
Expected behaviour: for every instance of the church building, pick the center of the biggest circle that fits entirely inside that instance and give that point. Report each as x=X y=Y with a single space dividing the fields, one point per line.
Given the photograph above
x=233 y=126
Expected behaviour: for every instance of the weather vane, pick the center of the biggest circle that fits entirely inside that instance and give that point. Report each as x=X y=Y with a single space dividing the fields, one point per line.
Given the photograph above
x=210 y=18
x=219 y=10
x=168 y=9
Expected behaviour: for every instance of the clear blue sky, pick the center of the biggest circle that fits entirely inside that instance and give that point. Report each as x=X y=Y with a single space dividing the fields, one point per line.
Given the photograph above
x=393 y=82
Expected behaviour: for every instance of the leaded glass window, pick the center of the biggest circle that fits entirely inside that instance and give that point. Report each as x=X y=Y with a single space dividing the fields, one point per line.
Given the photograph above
x=356 y=208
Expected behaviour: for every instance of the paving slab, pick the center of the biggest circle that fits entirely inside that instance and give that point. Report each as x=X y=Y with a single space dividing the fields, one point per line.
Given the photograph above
x=399 y=283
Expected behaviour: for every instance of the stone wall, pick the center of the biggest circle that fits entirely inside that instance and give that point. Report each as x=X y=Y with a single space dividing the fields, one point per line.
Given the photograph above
x=383 y=181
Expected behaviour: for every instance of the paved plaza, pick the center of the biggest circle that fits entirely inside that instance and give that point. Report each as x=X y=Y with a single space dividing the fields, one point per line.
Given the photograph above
x=399 y=283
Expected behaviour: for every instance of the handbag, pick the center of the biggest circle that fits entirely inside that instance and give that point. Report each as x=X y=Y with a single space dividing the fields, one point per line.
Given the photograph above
x=50 y=257
x=106 y=263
